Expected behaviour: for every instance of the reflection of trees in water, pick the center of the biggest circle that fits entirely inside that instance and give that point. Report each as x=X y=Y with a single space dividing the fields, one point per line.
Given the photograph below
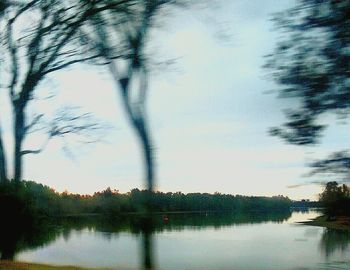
x=20 y=228
x=219 y=219
x=334 y=240
x=176 y=221
x=147 y=248
x=24 y=236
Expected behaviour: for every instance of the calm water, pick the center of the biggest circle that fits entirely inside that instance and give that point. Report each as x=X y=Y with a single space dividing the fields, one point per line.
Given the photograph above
x=192 y=241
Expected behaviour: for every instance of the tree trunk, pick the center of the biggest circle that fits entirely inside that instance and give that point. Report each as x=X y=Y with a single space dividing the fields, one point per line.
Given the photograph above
x=138 y=121
x=147 y=150
x=3 y=170
x=19 y=127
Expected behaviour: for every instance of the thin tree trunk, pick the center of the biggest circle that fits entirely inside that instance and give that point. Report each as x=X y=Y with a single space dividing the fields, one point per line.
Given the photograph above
x=147 y=150
x=139 y=124
x=138 y=121
x=19 y=135
x=3 y=170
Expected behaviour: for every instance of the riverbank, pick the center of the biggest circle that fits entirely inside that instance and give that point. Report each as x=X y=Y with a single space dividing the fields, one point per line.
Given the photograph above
x=10 y=265
x=341 y=222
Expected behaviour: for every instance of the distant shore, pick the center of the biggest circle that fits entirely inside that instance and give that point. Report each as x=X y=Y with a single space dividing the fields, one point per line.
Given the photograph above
x=340 y=222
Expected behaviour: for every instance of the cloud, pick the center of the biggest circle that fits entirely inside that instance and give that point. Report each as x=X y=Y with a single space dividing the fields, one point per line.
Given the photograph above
x=321 y=183
x=318 y=183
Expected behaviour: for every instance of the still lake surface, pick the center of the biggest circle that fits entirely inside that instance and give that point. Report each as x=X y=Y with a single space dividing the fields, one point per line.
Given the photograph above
x=245 y=241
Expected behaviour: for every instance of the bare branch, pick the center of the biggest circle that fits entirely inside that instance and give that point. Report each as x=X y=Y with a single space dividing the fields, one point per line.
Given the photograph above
x=14 y=60
x=26 y=152
x=39 y=150
x=24 y=8
x=68 y=122
x=66 y=64
x=72 y=28
x=34 y=122
x=34 y=45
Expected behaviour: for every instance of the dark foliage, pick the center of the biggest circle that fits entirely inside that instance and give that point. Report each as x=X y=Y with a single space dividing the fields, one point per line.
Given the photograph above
x=334 y=240
x=305 y=204
x=311 y=64
x=47 y=202
x=336 y=199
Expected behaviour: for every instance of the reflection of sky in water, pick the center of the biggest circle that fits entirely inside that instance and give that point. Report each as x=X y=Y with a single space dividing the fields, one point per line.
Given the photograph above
x=299 y=216
x=247 y=246
x=89 y=248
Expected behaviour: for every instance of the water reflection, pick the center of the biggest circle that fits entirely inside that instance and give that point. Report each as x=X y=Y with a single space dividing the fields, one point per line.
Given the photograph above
x=334 y=240
x=147 y=225
x=146 y=228
x=17 y=238
x=147 y=251
x=14 y=238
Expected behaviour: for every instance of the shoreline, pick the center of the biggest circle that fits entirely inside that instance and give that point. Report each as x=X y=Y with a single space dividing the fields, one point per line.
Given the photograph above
x=340 y=222
x=15 y=265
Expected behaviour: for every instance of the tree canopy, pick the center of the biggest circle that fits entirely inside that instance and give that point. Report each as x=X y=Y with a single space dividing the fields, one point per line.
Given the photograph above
x=336 y=198
x=311 y=66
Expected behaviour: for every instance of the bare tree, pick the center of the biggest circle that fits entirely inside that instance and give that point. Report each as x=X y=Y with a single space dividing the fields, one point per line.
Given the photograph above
x=50 y=42
x=130 y=35
x=67 y=121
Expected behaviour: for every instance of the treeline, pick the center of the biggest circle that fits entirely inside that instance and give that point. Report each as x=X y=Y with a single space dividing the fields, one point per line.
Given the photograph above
x=306 y=204
x=336 y=199
x=46 y=201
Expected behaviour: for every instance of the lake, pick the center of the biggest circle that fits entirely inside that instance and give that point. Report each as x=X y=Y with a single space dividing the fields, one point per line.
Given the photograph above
x=247 y=241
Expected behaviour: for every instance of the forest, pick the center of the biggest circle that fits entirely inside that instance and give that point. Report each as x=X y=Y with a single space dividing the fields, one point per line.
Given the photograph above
x=44 y=201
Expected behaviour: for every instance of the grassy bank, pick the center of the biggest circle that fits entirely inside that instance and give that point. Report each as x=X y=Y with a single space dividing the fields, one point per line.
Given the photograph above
x=10 y=265
x=341 y=222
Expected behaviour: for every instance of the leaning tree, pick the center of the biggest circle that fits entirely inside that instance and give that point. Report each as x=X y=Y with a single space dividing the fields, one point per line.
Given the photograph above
x=122 y=40
x=39 y=37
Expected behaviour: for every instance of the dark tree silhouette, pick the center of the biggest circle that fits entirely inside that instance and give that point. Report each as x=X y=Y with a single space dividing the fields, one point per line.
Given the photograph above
x=132 y=31
x=311 y=64
x=3 y=171
x=51 y=42
x=336 y=199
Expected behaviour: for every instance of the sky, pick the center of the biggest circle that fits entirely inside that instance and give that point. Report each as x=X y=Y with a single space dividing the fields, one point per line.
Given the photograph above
x=209 y=114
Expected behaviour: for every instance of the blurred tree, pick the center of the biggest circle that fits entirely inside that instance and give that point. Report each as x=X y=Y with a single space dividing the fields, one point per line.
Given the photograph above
x=129 y=34
x=50 y=42
x=3 y=170
x=311 y=64
x=337 y=164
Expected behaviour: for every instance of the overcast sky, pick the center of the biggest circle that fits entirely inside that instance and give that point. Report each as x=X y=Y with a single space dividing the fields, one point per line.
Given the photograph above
x=209 y=114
